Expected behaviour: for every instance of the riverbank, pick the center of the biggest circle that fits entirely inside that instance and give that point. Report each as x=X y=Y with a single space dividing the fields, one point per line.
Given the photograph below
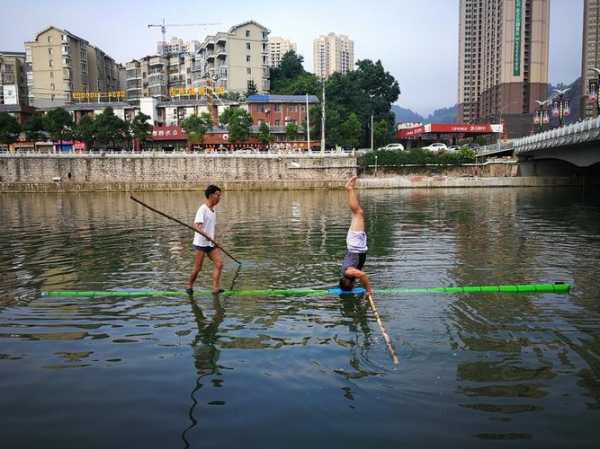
x=294 y=171
x=368 y=182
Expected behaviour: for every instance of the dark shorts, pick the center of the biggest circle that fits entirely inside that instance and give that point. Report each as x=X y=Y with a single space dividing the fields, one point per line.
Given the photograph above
x=206 y=249
x=355 y=260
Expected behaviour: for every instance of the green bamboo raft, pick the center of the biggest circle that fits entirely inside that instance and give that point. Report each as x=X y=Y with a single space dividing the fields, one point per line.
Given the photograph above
x=557 y=287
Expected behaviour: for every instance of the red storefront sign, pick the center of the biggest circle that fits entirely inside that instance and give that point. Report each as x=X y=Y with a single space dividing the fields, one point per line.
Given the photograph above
x=448 y=128
x=168 y=133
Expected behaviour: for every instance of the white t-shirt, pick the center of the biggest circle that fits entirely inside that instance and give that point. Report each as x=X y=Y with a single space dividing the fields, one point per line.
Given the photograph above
x=356 y=242
x=208 y=219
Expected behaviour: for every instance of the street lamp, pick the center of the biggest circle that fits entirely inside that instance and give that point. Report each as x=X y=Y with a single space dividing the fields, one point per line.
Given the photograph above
x=541 y=116
x=560 y=106
x=594 y=85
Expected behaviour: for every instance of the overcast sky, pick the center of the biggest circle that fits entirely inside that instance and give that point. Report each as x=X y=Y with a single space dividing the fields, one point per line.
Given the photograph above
x=417 y=40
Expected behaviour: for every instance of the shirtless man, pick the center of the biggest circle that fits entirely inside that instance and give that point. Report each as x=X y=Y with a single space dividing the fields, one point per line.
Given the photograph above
x=356 y=242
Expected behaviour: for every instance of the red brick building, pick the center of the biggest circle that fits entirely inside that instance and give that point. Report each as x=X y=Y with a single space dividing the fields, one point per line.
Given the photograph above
x=279 y=110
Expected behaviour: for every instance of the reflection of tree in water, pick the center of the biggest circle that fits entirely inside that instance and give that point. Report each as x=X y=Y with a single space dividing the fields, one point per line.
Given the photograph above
x=206 y=354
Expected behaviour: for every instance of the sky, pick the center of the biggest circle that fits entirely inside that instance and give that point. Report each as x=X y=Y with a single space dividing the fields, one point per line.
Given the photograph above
x=416 y=40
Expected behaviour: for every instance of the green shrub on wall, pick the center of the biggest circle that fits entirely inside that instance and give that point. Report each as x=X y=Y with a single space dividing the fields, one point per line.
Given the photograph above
x=416 y=157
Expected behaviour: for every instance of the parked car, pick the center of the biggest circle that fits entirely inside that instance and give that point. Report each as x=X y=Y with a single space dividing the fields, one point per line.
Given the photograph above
x=392 y=147
x=436 y=147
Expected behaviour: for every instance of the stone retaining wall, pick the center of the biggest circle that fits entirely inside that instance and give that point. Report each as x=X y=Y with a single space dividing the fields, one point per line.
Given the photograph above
x=170 y=172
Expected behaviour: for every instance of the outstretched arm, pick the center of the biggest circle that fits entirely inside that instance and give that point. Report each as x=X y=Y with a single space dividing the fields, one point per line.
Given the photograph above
x=361 y=276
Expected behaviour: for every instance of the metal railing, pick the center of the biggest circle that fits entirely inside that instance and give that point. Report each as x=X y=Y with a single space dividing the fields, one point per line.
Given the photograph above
x=128 y=154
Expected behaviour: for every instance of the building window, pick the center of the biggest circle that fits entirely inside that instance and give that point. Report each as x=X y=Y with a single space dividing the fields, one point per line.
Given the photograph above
x=49 y=38
x=49 y=62
x=247 y=58
x=277 y=107
x=277 y=122
x=248 y=70
x=247 y=33
x=49 y=50
x=247 y=45
x=293 y=108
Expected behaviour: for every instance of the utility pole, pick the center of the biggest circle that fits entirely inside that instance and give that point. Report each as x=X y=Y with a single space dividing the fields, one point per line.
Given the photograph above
x=371 y=132
x=307 y=126
x=323 y=119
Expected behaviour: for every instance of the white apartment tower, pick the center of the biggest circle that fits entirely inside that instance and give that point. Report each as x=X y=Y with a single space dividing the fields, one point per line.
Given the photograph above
x=332 y=53
x=278 y=46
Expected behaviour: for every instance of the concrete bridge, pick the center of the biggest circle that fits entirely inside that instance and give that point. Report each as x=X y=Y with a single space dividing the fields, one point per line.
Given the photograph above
x=570 y=150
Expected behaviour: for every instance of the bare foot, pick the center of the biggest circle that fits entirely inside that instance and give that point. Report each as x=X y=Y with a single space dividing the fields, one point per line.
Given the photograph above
x=351 y=184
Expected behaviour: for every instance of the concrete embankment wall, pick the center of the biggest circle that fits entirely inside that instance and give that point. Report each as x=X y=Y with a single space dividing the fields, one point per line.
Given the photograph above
x=139 y=172
x=51 y=173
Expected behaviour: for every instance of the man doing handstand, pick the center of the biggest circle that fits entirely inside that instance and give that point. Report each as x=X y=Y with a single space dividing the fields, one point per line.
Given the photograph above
x=356 y=242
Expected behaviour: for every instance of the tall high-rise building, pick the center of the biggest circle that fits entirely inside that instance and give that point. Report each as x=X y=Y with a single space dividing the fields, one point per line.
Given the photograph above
x=332 y=53
x=503 y=61
x=591 y=55
x=278 y=46
x=60 y=63
x=13 y=78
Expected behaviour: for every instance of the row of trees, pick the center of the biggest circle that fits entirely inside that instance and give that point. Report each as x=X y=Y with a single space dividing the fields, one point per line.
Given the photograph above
x=351 y=100
x=104 y=129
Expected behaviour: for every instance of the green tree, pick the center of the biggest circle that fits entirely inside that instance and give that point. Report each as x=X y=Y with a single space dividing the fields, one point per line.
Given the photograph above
x=291 y=131
x=351 y=130
x=9 y=128
x=196 y=126
x=110 y=129
x=59 y=124
x=141 y=128
x=383 y=132
x=251 y=88
x=238 y=123
x=85 y=131
x=264 y=133
x=34 y=128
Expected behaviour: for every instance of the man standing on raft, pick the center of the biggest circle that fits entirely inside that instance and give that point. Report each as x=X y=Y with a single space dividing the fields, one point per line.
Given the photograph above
x=356 y=242
x=204 y=223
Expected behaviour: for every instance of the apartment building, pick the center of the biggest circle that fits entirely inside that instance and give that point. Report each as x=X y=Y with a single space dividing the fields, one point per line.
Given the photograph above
x=332 y=53
x=60 y=63
x=590 y=57
x=147 y=77
x=234 y=60
x=278 y=46
x=503 y=61
x=177 y=46
x=13 y=78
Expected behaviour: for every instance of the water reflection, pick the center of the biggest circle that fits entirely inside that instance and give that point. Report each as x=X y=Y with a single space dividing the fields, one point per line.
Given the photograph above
x=495 y=366
x=205 y=353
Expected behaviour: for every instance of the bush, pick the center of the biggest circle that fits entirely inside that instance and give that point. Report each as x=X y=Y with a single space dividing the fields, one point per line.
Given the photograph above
x=416 y=156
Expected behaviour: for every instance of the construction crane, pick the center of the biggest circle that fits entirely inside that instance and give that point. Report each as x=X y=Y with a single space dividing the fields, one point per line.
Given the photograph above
x=163 y=28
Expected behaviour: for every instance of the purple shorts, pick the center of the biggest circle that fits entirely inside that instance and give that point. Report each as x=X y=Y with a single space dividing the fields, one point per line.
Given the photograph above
x=206 y=249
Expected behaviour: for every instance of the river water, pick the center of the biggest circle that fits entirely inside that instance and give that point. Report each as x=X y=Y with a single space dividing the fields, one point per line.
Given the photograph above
x=475 y=371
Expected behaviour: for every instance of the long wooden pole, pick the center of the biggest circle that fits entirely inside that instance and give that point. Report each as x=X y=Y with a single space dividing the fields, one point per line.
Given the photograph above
x=386 y=337
x=184 y=224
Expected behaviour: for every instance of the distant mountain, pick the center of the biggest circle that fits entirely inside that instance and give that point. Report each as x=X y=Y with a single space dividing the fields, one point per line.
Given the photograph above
x=443 y=115
x=404 y=115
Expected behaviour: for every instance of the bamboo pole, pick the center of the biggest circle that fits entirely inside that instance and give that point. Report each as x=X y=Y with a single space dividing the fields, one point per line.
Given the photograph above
x=386 y=337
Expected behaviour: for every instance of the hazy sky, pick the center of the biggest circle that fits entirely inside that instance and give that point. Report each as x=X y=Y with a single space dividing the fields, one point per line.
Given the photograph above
x=417 y=40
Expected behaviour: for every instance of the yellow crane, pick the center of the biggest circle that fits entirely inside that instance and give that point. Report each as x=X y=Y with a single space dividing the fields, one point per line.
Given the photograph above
x=163 y=28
